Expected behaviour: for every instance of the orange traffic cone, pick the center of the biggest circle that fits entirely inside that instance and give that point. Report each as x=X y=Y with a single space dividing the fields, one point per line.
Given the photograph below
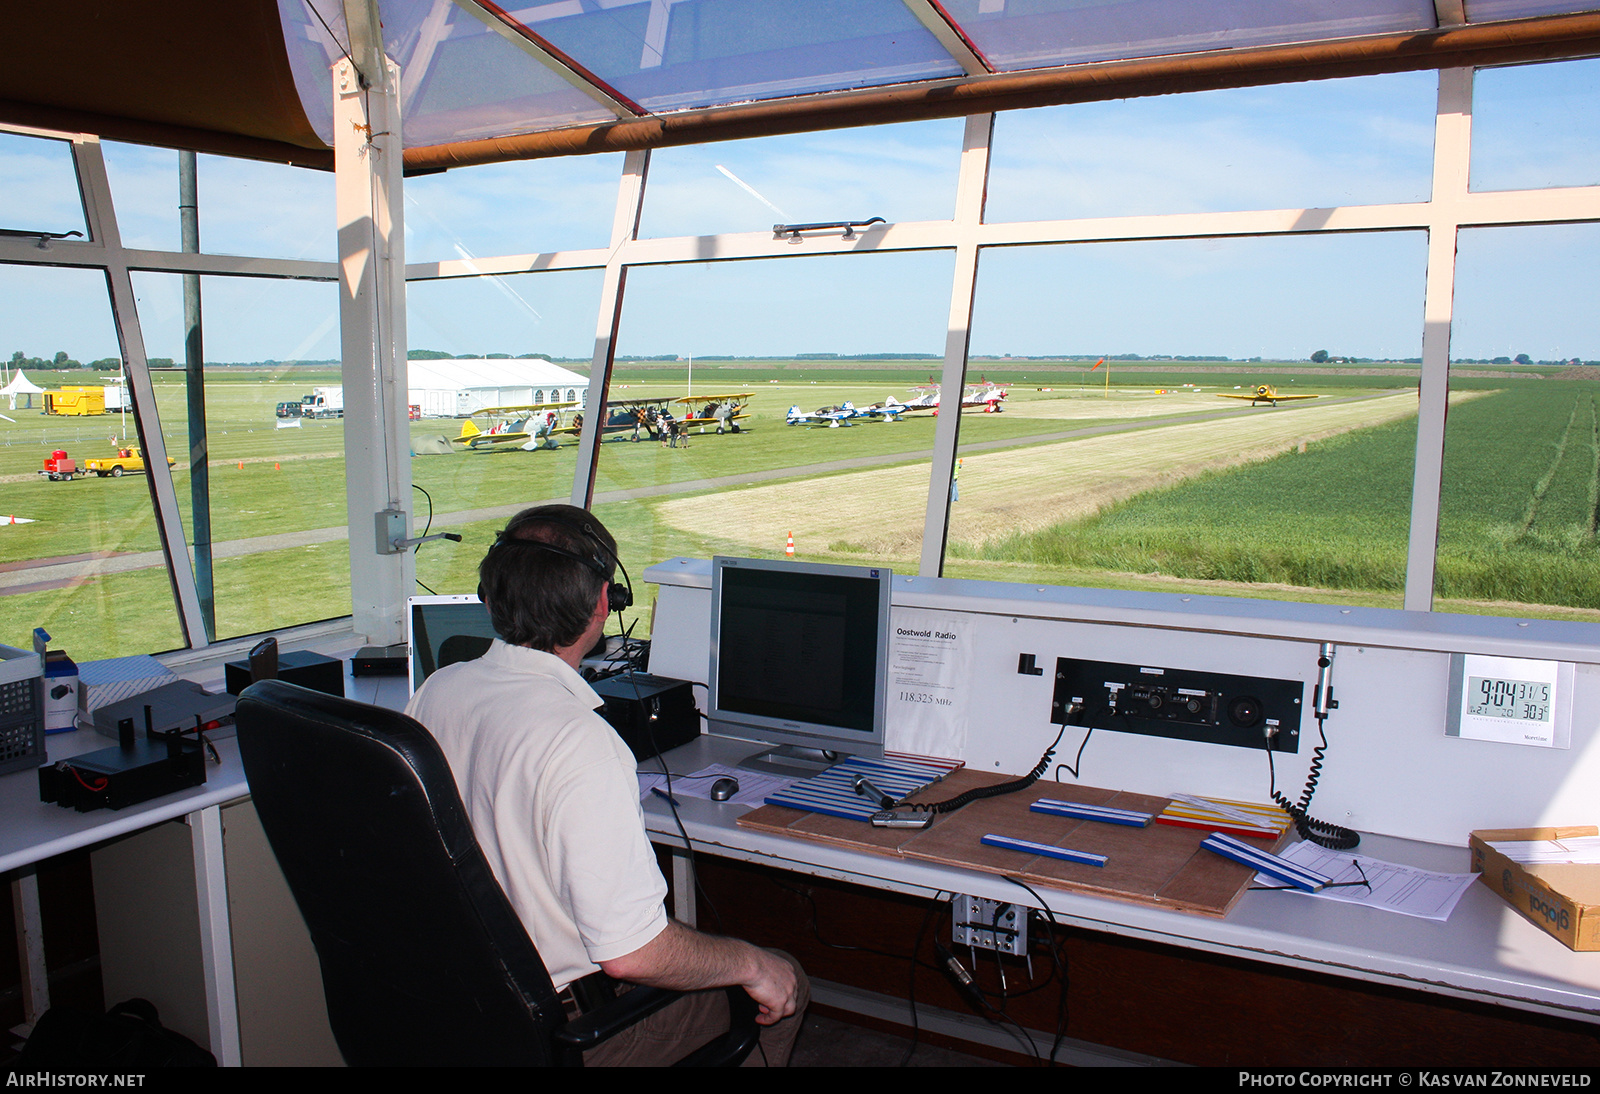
x=789 y=548
x=241 y=465
x=275 y=466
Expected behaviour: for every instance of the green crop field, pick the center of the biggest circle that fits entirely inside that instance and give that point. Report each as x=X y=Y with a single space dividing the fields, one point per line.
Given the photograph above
x=1221 y=494
x=1517 y=523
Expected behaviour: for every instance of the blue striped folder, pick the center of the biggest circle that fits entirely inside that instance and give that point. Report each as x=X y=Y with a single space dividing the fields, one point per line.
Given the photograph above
x=830 y=793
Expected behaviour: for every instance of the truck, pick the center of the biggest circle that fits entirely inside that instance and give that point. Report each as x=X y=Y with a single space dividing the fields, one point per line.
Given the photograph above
x=127 y=461
x=323 y=402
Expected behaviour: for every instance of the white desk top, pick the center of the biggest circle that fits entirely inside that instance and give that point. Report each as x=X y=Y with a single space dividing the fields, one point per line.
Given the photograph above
x=1485 y=952
x=32 y=830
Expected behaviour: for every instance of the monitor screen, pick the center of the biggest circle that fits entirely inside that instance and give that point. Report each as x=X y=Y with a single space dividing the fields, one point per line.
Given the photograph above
x=799 y=653
x=442 y=630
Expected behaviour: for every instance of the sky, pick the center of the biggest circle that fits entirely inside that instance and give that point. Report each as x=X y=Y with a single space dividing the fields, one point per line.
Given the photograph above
x=1357 y=141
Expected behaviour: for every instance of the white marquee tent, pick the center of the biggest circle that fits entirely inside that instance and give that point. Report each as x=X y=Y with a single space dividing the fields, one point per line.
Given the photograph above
x=450 y=389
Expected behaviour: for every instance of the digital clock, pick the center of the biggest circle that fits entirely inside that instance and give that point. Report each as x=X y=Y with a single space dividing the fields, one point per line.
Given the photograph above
x=1515 y=700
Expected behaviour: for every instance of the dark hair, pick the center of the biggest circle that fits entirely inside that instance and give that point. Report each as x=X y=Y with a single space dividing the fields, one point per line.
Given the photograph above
x=543 y=575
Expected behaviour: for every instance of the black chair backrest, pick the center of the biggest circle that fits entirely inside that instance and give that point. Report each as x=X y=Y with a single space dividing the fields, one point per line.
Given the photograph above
x=424 y=961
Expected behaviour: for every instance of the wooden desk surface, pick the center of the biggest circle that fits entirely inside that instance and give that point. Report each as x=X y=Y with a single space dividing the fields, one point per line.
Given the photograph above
x=1158 y=865
x=1484 y=952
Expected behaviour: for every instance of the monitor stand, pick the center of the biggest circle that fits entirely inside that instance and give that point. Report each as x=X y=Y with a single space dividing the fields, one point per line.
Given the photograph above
x=792 y=761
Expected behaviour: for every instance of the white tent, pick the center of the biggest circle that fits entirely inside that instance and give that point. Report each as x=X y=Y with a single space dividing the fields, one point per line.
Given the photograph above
x=21 y=385
x=452 y=389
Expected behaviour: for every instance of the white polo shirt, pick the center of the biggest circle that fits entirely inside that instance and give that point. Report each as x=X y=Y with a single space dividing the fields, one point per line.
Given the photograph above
x=554 y=800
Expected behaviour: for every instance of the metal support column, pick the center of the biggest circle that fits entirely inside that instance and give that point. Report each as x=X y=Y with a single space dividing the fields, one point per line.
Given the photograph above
x=624 y=229
x=367 y=168
x=970 y=190
x=195 y=385
x=1452 y=150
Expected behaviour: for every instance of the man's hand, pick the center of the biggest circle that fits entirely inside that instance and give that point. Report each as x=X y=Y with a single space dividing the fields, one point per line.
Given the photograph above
x=687 y=960
x=773 y=986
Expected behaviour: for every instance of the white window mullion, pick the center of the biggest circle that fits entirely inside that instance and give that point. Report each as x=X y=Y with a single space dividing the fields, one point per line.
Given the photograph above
x=970 y=190
x=1452 y=150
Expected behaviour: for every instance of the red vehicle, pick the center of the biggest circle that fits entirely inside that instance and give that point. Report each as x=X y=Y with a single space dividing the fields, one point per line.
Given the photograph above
x=60 y=467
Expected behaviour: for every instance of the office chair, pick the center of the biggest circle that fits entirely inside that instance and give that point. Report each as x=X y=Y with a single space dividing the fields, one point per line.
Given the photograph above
x=424 y=961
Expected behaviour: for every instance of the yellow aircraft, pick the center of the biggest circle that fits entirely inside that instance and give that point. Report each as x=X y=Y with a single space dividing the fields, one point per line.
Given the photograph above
x=1264 y=393
x=723 y=411
x=542 y=426
x=530 y=426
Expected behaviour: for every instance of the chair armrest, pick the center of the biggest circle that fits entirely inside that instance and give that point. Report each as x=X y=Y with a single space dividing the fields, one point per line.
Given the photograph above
x=732 y=1047
x=634 y=1006
x=627 y=1009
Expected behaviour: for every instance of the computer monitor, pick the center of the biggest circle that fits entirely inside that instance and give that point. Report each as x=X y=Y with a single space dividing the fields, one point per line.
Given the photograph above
x=799 y=659
x=442 y=630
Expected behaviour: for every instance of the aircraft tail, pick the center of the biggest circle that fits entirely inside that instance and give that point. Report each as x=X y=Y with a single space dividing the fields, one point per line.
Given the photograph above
x=468 y=431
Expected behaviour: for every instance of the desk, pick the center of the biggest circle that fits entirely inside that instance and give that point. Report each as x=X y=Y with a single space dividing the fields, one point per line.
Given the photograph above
x=1485 y=952
x=32 y=831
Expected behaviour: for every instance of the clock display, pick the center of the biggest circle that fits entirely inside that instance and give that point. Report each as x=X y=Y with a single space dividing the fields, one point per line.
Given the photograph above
x=1498 y=697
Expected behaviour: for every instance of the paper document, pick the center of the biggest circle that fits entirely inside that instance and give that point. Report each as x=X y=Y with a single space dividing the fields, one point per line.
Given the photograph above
x=930 y=664
x=753 y=787
x=1394 y=888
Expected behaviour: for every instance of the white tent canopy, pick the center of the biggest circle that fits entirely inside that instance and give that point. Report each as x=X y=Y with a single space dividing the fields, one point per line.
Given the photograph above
x=21 y=385
x=450 y=389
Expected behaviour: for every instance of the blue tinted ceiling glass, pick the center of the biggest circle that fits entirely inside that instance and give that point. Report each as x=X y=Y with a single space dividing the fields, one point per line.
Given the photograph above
x=681 y=54
x=1019 y=34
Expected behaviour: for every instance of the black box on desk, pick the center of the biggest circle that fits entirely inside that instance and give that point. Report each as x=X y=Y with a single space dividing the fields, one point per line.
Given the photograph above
x=650 y=713
x=309 y=670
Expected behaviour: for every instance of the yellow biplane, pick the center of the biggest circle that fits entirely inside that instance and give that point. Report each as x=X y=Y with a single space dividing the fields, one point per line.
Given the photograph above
x=529 y=427
x=1264 y=393
x=543 y=426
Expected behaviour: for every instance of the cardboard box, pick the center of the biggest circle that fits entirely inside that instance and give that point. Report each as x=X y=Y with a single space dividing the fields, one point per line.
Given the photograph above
x=1561 y=898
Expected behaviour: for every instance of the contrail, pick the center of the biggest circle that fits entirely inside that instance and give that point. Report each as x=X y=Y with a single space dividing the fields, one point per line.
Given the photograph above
x=751 y=190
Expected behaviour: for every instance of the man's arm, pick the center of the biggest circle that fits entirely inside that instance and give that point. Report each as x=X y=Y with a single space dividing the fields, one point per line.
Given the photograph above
x=687 y=960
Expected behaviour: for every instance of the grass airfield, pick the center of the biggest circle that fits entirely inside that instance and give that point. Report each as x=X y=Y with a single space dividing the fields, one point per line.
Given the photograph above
x=849 y=494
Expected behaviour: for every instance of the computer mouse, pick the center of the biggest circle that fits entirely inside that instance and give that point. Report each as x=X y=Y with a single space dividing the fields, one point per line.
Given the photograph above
x=724 y=788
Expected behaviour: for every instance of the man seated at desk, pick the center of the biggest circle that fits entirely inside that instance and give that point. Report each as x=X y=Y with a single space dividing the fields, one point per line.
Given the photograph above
x=553 y=797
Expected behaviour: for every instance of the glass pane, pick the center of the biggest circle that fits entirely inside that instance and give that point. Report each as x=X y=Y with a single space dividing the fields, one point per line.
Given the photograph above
x=277 y=497
x=526 y=207
x=546 y=321
x=144 y=190
x=898 y=172
x=1518 y=504
x=1479 y=11
x=1293 y=146
x=268 y=210
x=1536 y=125
x=700 y=52
x=39 y=186
x=458 y=79
x=1131 y=472
x=1016 y=34
x=766 y=336
x=81 y=558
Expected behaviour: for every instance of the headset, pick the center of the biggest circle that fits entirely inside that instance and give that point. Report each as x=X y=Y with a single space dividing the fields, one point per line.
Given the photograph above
x=619 y=596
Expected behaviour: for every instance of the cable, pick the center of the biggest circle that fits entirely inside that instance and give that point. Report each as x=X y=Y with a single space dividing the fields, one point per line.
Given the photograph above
x=1323 y=833
x=1060 y=966
x=950 y=805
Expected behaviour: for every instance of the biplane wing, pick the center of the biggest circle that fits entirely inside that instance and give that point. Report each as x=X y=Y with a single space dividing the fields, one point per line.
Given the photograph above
x=723 y=411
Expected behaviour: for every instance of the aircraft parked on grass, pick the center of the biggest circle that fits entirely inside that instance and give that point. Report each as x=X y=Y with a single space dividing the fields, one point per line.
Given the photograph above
x=1263 y=393
x=831 y=416
x=544 y=425
x=985 y=395
x=529 y=427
